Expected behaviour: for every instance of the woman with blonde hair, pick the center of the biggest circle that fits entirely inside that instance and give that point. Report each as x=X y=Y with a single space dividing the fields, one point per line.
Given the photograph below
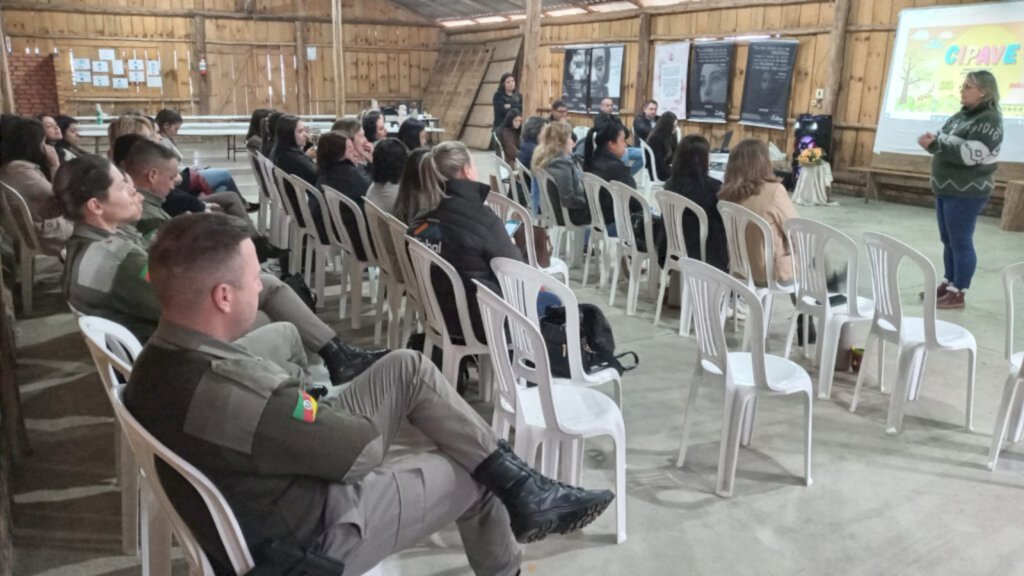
x=459 y=227
x=554 y=154
x=750 y=182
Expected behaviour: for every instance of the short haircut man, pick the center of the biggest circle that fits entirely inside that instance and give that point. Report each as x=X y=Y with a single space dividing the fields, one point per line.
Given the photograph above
x=347 y=127
x=153 y=167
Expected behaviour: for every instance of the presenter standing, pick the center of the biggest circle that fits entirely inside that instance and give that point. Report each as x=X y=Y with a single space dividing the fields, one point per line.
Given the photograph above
x=505 y=98
x=964 y=154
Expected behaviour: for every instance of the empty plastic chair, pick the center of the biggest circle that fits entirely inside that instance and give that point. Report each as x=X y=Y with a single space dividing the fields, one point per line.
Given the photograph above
x=601 y=243
x=1013 y=400
x=628 y=246
x=914 y=336
x=745 y=375
x=548 y=415
x=809 y=240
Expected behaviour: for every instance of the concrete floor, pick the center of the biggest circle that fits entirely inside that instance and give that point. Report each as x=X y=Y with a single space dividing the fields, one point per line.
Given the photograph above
x=919 y=503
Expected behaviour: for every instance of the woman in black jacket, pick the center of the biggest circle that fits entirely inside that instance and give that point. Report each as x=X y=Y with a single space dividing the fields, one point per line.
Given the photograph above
x=602 y=156
x=289 y=140
x=460 y=228
x=662 y=141
x=505 y=98
x=690 y=178
x=334 y=158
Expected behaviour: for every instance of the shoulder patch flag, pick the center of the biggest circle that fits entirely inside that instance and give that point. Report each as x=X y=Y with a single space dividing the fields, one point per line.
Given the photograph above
x=305 y=408
x=144 y=274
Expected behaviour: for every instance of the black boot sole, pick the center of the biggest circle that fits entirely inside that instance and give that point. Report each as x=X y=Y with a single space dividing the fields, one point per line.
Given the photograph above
x=353 y=369
x=560 y=521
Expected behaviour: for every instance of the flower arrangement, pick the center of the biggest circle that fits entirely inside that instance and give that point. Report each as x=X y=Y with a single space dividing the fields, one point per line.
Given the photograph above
x=811 y=156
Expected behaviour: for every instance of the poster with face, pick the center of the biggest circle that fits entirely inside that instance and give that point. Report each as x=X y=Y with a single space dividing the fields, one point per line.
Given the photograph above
x=710 y=76
x=605 y=76
x=767 y=83
x=671 y=64
x=576 y=79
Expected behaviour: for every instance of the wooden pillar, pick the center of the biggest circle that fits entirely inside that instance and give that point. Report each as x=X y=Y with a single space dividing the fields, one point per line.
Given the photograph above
x=836 y=55
x=338 y=53
x=301 y=72
x=6 y=89
x=530 y=78
x=643 y=71
x=1013 y=207
x=199 y=35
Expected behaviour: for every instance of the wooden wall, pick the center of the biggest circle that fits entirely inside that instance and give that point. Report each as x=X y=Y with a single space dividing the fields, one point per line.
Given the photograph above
x=870 y=33
x=255 y=60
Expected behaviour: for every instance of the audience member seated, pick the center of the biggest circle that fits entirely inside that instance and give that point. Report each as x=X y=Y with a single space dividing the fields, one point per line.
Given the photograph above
x=269 y=133
x=311 y=476
x=633 y=156
x=531 y=137
x=750 y=182
x=690 y=179
x=28 y=165
x=107 y=274
x=644 y=123
x=662 y=140
x=50 y=129
x=413 y=133
x=389 y=157
x=254 y=136
x=168 y=123
x=603 y=152
x=560 y=113
x=353 y=130
x=509 y=135
x=460 y=228
x=68 y=147
x=554 y=155
x=337 y=169
x=410 y=204
x=373 y=127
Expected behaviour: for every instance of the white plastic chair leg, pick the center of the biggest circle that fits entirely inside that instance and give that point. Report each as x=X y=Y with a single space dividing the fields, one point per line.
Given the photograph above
x=380 y=304
x=790 y=334
x=829 y=347
x=662 y=286
x=685 y=313
x=917 y=378
x=695 y=384
x=748 y=422
x=485 y=377
x=730 y=444
x=156 y=536
x=906 y=364
x=27 y=266
x=343 y=296
x=1010 y=391
x=972 y=361
x=808 y=447
x=615 y=265
x=591 y=247
x=620 y=484
x=872 y=337
x=128 y=479
x=356 y=291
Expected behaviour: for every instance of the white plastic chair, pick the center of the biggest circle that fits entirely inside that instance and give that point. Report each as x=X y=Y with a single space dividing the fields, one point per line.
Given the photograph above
x=390 y=276
x=296 y=225
x=580 y=132
x=521 y=286
x=600 y=242
x=18 y=218
x=113 y=350
x=520 y=174
x=808 y=240
x=414 y=310
x=1011 y=404
x=652 y=182
x=914 y=336
x=351 y=264
x=437 y=330
x=505 y=175
x=673 y=207
x=737 y=221
x=266 y=206
x=745 y=375
x=280 y=222
x=550 y=214
x=622 y=196
x=549 y=415
x=317 y=251
x=508 y=209
x=572 y=234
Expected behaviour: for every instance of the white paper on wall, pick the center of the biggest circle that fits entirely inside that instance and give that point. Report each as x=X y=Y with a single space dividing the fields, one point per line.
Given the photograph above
x=81 y=64
x=107 y=54
x=82 y=77
x=117 y=67
x=152 y=67
x=136 y=77
x=154 y=82
x=136 y=65
x=100 y=66
x=101 y=80
x=120 y=83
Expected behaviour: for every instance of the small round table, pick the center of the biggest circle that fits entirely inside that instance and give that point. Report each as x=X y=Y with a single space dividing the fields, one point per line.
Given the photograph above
x=814 y=186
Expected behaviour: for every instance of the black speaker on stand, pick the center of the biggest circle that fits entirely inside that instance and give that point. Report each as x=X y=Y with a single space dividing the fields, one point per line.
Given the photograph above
x=812 y=131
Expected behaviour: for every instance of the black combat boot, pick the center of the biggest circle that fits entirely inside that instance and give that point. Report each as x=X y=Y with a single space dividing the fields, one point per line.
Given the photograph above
x=537 y=504
x=345 y=362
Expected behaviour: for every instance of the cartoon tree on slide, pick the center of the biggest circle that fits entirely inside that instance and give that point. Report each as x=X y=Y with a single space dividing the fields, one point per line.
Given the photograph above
x=911 y=74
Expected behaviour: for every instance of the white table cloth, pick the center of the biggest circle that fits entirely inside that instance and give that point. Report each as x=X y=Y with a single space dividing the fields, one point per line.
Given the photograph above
x=813 y=186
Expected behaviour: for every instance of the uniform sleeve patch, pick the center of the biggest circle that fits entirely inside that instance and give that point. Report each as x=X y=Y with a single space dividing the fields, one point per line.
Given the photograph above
x=305 y=408
x=144 y=274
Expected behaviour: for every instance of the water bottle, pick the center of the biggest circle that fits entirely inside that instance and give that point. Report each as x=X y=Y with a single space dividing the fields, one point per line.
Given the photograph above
x=99 y=114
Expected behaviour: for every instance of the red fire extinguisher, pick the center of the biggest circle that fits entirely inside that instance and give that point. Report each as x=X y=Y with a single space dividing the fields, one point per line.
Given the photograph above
x=202 y=65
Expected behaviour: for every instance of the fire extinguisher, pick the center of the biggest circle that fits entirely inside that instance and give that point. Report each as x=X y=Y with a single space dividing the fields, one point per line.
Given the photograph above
x=202 y=66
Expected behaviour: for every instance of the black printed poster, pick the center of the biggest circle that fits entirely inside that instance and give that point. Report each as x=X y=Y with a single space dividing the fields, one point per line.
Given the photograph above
x=766 y=87
x=710 y=77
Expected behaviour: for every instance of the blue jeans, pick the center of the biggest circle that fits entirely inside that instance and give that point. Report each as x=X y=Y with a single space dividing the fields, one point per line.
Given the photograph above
x=219 y=179
x=957 y=217
x=634 y=158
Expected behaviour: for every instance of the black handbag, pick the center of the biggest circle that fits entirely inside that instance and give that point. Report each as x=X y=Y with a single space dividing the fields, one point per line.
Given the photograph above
x=597 y=343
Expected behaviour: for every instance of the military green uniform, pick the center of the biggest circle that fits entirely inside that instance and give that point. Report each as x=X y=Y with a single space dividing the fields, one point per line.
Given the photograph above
x=315 y=476
x=107 y=275
x=153 y=215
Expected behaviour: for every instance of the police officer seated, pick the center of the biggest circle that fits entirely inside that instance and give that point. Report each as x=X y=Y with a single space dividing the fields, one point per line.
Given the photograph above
x=313 y=475
x=106 y=270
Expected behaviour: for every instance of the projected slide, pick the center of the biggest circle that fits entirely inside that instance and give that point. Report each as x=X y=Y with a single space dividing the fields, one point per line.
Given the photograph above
x=935 y=48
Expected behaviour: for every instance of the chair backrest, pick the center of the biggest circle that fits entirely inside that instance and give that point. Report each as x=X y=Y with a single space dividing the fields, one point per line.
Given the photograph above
x=18 y=218
x=808 y=240
x=709 y=289
x=885 y=254
x=737 y=220
x=286 y=192
x=148 y=450
x=580 y=132
x=673 y=206
x=521 y=286
x=334 y=200
x=650 y=166
x=592 y=185
x=424 y=260
x=303 y=190
x=1011 y=274
x=397 y=230
x=549 y=213
x=518 y=354
x=504 y=173
x=622 y=196
x=519 y=175
x=377 y=226
x=499 y=150
x=112 y=347
x=508 y=209
x=678 y=132
x=257 y=170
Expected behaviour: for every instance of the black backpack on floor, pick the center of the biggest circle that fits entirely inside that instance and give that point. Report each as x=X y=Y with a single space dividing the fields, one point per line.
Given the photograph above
x=597 y=343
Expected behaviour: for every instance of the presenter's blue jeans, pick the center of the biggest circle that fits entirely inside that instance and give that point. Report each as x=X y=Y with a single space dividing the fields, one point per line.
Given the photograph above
x=957 y=218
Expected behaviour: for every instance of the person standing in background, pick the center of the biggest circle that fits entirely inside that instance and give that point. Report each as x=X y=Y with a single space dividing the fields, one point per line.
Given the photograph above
x=505 y=98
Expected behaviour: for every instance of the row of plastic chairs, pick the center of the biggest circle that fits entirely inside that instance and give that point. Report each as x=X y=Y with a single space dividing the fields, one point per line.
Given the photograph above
x=17 y=220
